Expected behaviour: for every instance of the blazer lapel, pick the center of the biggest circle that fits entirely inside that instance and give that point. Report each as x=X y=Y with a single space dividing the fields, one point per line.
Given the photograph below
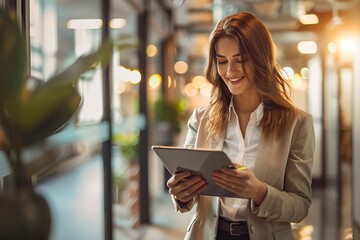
x=264 y=152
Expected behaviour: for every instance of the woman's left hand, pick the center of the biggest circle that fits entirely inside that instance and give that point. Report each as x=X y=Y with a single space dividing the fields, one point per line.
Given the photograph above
x=243 y=183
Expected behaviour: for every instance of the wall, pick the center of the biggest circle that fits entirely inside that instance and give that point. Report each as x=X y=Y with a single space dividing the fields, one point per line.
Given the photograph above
x=356 y=144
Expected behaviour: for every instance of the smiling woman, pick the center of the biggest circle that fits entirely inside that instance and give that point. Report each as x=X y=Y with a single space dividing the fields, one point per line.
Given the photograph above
x=234 y=69
x=251 y=118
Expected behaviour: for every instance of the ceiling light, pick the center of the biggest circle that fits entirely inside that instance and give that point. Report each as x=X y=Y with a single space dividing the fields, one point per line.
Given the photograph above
x=84 y=24
x=117 y=23
x=307 y=47
x=308 y=19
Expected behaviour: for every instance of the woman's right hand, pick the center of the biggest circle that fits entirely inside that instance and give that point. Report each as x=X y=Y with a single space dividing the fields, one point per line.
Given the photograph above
x=184 y=186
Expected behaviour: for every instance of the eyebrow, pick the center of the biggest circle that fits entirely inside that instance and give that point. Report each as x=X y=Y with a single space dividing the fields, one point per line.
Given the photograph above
x=235 y=55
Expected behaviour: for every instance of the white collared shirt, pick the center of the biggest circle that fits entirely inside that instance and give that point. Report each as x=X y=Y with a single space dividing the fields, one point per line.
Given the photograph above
x=242 y=151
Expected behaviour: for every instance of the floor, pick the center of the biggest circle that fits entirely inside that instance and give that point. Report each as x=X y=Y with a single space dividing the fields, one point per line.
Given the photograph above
x=75 y=198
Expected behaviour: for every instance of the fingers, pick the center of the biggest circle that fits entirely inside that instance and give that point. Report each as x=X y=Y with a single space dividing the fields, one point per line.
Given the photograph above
x=233 y=180
x=190 y=185
x=231 y=187
x=191 y=192
x=230 y=176
x=177 y=177
x=238 y=172
x=184 y=187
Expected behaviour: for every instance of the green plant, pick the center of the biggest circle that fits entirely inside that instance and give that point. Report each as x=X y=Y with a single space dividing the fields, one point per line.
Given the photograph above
x=170 y=112
x=27 y=117
x=127 y=144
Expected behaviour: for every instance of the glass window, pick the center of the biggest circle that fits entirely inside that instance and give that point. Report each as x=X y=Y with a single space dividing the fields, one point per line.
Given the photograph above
x=60 y=32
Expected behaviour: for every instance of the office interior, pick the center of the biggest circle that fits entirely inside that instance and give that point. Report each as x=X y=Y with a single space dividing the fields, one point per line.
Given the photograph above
x=105 y=182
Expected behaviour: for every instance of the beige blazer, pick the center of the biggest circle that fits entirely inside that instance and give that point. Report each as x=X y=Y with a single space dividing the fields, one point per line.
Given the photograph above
x=284 y=165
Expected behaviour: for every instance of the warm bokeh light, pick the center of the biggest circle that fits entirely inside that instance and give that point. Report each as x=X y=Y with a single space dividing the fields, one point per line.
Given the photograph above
x=305 y=72
x=288 y=73
x=307 y=47
x=199 y=81
x=190 y=90
x=155 y=81
x=117 y=23
x=348 y=45
x=169 y=83
x=119 y=87
x=84 y=24
x=135 y=76
x=181 y=67
x=124 y=73
x=206 y=91
x=127 y=75
x=331 y=47
x=308 y=19
x=298 y=82
x=151 y=50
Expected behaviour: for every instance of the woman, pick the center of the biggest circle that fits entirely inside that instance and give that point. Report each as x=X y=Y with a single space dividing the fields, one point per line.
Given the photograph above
x=251 y=118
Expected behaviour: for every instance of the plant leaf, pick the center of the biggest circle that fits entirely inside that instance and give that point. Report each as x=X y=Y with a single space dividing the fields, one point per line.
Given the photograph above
x=48 y=96
x=12 y=59
x=58 y=116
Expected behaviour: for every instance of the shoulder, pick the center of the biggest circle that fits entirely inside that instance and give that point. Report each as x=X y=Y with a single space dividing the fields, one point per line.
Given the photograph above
x=199 y=115
x=201 y=112
x=301 y=115
x=303 y=121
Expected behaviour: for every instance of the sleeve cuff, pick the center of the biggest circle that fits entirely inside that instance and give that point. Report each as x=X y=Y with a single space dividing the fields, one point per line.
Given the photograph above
x=183 y=207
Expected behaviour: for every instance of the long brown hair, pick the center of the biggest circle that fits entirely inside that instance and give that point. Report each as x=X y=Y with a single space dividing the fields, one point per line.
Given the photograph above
x=254 y=41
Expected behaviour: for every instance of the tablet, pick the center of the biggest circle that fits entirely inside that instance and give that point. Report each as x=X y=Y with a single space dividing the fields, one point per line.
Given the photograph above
x=198 y=161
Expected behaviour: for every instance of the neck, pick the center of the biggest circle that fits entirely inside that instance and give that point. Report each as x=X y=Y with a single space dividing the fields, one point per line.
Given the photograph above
x=246 y=104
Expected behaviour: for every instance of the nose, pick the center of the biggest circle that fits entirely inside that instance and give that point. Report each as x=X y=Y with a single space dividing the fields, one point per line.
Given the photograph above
x=231 y=69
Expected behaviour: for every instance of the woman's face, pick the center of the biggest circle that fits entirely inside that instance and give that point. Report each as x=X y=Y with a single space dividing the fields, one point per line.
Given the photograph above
x=229 y=66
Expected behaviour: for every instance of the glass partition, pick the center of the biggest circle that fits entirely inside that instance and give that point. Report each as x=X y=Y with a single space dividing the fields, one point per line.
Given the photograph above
x=60 y=32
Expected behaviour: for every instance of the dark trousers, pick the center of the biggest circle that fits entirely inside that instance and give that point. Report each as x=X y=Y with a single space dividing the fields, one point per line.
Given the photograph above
x=222 y=235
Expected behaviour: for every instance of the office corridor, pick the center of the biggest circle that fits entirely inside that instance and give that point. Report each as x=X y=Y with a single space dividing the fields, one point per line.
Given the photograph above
x=77 y=211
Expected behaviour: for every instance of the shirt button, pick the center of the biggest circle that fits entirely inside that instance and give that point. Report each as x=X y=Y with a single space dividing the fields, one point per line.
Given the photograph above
x=252 y=229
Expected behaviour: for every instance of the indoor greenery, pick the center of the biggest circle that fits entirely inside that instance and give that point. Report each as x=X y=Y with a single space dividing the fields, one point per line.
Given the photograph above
x=170 y=112
x=27 y=117
x=128 y=145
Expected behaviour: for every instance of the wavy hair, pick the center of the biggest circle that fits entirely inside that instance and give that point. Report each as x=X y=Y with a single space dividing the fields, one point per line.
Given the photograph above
x=255 y=42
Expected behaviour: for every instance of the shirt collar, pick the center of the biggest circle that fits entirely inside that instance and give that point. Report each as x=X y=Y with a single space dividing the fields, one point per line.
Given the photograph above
x=258 y=113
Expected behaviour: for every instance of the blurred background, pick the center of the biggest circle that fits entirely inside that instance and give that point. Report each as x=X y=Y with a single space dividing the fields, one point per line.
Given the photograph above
x=106 y=183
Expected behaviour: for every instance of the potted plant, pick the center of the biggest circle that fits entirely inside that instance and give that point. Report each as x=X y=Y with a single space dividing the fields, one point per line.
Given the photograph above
x=127 y=144
x=167 y=117
x=27 y=117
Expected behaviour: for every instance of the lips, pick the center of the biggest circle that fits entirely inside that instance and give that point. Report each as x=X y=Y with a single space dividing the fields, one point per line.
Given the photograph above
x=236 y=80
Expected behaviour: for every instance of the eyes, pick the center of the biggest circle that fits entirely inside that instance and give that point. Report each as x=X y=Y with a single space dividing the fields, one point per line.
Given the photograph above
x=238 y=60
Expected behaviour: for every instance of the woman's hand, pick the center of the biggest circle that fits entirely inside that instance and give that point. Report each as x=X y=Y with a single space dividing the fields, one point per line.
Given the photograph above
x=243 y=183
x=184 y=186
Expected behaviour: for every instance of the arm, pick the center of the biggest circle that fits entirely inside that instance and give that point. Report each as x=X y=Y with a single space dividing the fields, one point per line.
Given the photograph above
x=293 y=202
x=186 y=204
